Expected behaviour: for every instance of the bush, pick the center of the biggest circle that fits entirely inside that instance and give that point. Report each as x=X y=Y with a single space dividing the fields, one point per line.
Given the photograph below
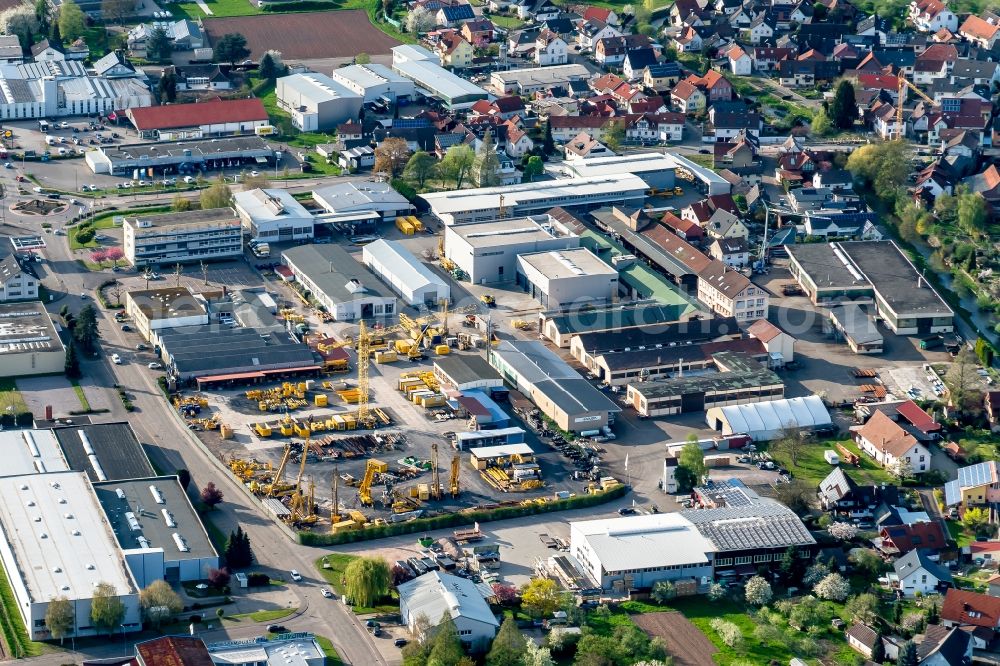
x=84 y=235
x=728 y=632
x=258 y=579
x=405 y=189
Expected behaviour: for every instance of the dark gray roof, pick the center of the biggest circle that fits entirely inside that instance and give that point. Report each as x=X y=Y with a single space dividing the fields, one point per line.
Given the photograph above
x=894 y=277
x=465 y=368
x=741 y=372
x=863 y=634
x=917 y=559
x=331 y=268
x=209 y=350
x=836 y=486
x=650 y=316
x=652 y=332
x=766 y=524
x=951 y=643
x=118 y=451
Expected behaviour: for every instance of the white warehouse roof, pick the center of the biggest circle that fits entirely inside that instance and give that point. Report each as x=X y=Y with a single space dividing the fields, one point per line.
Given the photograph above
x=644 y=542
x=437 y=80
x=764 y=420
x=271 y=204
x=367 y=76
x=316 y=88
x=404 y=268
x=30 y=452
x=59 y=537
x=436 y=593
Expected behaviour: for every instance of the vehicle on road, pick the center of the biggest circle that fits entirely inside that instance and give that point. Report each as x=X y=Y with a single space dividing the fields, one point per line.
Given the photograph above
x=326 y=593
x=155 y=366
x=296 y=576
x=141 y=347
x=400 y=642
x=626 y=511
x=126 y=328
x=277 y=629
x=8 y=165
x=116 y=359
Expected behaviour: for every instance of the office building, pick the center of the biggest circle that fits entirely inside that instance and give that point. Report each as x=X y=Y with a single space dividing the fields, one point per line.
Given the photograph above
x=182 y=237
x=274 y=215
x=17 y=280
x=152 y=310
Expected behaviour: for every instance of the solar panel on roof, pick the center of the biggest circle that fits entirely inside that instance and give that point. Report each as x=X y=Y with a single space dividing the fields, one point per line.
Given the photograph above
x=409 y=123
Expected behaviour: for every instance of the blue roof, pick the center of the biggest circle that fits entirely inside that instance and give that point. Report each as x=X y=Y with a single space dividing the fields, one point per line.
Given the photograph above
x=458 y=12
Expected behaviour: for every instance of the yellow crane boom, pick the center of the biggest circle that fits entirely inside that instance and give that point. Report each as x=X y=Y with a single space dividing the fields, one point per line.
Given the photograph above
x=453 y=477
x=901 y=98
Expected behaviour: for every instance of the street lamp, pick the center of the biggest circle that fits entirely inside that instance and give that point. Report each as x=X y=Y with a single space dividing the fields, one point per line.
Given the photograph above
x=124 y=642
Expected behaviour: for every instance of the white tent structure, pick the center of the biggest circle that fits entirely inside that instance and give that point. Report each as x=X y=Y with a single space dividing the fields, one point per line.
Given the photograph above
x=407 y=275
x=764 y=421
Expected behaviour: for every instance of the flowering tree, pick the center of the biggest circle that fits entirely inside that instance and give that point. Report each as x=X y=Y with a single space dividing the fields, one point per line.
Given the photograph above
x=758 y=591
x=842 y=531
x=505 y=593
x=114 y=255
x=834 y=587
x=716 y=591
x=99 y=256
x=815 y=574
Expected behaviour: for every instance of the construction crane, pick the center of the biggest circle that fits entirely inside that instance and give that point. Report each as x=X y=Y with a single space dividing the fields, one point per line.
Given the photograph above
x=453 y=477
x=365 y=489
x=903 y=85
x=435 y=474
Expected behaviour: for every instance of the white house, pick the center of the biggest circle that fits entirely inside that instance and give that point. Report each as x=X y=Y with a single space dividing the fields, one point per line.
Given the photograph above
x=731 y=294
x=891 y=446
x=916 y=573
x=932 y=15
x=435 y=594
x=16 y=284
x=550 y=49
x=739 y=61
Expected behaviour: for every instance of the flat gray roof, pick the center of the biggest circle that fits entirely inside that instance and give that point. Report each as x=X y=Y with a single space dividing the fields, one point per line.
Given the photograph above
x=270 y=204
x=510 y=231
x=332 y=268
x=315 y=87
x=824 y=267
x=117 y=452
x=857 y=324
x=543 y=75
x=156 y=224
x=895 y=279
x=207 y=350
x=167 y=303
x=439 y=81
x=567 y=264
x=25 y=328
x=30 y=452
x=194 y=151
x=741 y=372
x=160 y=509
x=465 y=368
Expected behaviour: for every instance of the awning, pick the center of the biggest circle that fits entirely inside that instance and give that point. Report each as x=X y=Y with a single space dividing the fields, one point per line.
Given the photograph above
x=226 y=378
x=301 y=368
x=260 y=160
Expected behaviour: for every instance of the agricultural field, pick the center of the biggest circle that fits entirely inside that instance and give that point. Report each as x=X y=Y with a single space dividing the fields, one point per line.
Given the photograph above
x=685 y=641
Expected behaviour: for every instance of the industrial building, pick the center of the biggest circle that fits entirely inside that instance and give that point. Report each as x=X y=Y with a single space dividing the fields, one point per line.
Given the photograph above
x=465 y=372
x=17 y=281
x=857 y=328
x=487 y=251
x=355 y=202
x=559 y=279
x=286 y=649
x=182 y=237
x=29 y=341
x=183 y=157
x=348 y=290
x=435 y=595
x=737 y=380
x=764 y=421
x=525 y=82
x=482 y=444
x=52 y=89
x=152 y=310
x=561 y=328
x=316 y=102
x=409 y=277
x=56 y=543
x=158 y=530
x=487 y=203
x=875 y=271
x=424 y=69
x=31 y=452
x=273 y=215
x=374 y=82
x=553 y=385
x=657 y=169
x=219 y=117
x=105 y=451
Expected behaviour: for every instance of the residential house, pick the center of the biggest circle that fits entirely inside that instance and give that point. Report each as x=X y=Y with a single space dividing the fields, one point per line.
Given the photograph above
x=976 y=72
x=46 y=51
x=861 y=638
x=611 y=50
x=975 y=485
x=835 y=180
x=661 y=76
x=565 y=128
x=357 y=158
x=454 y=51
x=691 y=232
x=116 y=66
x=550 y=49
x=687 y=98
x=716 y=86
x=795 y=73
x=737 y=154
x=730 y=293
x=724 y=224
x=518 y=141
x=701 y=211
x=683 y=10
x=943 y=646
x=891 y=446
x=17 y=281
x=740 y=62
x=590 y=32
x=766 y=58
x=901 y=539
x=981 y=32
x=935 y=180
x=729 y=125
x=733 y=251
x=478 y=32
x=451 y=16
x=636 y=61
x=584 y=145
x=808 y=198
x=436 y=595
x=916 y=572
x=986 y=184
x=202 y=77
x=762 y=28
x=884 y=121
x=77 y=50
x=931 y=16
x=840 y=494
x=688 y=41
x=601 y=14
x=974 y=612
x=504 y=108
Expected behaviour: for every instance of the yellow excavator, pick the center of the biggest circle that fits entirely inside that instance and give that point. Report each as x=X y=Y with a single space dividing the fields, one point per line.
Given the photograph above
x=453 y=477
x=365 y=489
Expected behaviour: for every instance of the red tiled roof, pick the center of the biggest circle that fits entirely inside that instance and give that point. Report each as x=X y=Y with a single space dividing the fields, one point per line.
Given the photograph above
x=686 y=227
x=599 y=13
x=174 y=651
x=917 y=417
x=683 y=90
x=565 y=122
x=918 y=535
x=884 y=433
x=978 y=28
x=876 y=81
x=677 y=247
x=963 y=607
x=764 y=330
x=215 y=112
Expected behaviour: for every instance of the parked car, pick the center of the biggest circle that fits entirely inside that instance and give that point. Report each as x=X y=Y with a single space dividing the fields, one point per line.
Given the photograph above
x=626 y=511
x=155 y=366
x=400 y=642
x=116 y=359
x=126 y=328
x=277 y=629
x=141 y=347
x=296 y=576
x=326 y=593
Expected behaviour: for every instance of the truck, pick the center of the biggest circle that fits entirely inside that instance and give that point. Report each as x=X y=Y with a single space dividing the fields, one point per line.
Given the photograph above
x=931 y=342
x=467 y=534
x=831 y=457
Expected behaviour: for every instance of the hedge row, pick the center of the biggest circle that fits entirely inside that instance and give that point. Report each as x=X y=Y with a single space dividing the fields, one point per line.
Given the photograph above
x=421 y=525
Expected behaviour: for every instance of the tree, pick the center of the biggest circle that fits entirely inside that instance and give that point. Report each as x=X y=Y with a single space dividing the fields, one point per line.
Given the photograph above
x=20 y=20
x=421 y=166
x=71 y=366
x=159 y=47
x=862 y=608
x=159 y=602
x=844 y=109
x=117 y=10
x=833 y=587
x=368 y=580
x=984 y=352
x=686 y=479
x=72 y=22
x=540 y=597
x=85 y=331
x=391 y=156
x=614 y=135
x=842 y=531
x=447 y=648
x=238 y=554
x=758 y=591
x=218 y=195
x=508 y=646
x=60 y=618
x=183 y=477
x=869 y=562
x=42 y=14
x=907 y=654
x=218 y=577
x=180 y=204
x=963 y=383
x=692 y=458
x=420 y=19
x=114 y=255
x=98 y=256
x=535 y=655
x=533 y=168
x=548 y=143
x=211 y=496
x=663 y=591
x=486 y=169
x=268 y=69
x=821 y=124
x=106 y=610
x=789 y=445
x=884 y=167
x=231 y=47
x=457 y=164
x=806 y=612
x=972 y=213
x=505 y=594
x=975 y=519
x=362 y=59
x=716 y=591
x=814 y=574
x=789 y=566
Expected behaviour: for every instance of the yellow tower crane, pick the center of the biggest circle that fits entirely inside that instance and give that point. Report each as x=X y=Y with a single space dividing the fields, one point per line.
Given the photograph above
x=453 y=477
x=435 y=473
x=903 y=85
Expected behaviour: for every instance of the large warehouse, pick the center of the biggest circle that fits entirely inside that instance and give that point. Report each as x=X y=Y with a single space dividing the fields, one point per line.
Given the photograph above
x=559 y=279
x=553 y=385
x=57 y=543
x=105 y=451
x=316 y=102
x=424 y=69
x=219 y=117
x=765 y=421
x=374 y=81
x=348 y=290
x=183 y=157
x=29 y=341
x=153 y=310
x=416 y=284
x=876 y=270
x=524 y=82
x=658 y=169
x=486 y=203
x=182 y=237
x=273 y=215
x=488 y=251
x=357 y=200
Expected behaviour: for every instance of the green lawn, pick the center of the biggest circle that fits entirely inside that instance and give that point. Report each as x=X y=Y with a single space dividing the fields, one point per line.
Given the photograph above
x=15 y=637
x=813 y=468
x=332 y=658
x=220 y=8
x=338 y=563
x=81 y=396
x=962 y=536
x=263 y=616
x=508 y=22
x=11 y=400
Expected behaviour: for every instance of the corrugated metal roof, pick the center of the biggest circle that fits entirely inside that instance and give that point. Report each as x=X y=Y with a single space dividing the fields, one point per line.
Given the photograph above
x=409 y=270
